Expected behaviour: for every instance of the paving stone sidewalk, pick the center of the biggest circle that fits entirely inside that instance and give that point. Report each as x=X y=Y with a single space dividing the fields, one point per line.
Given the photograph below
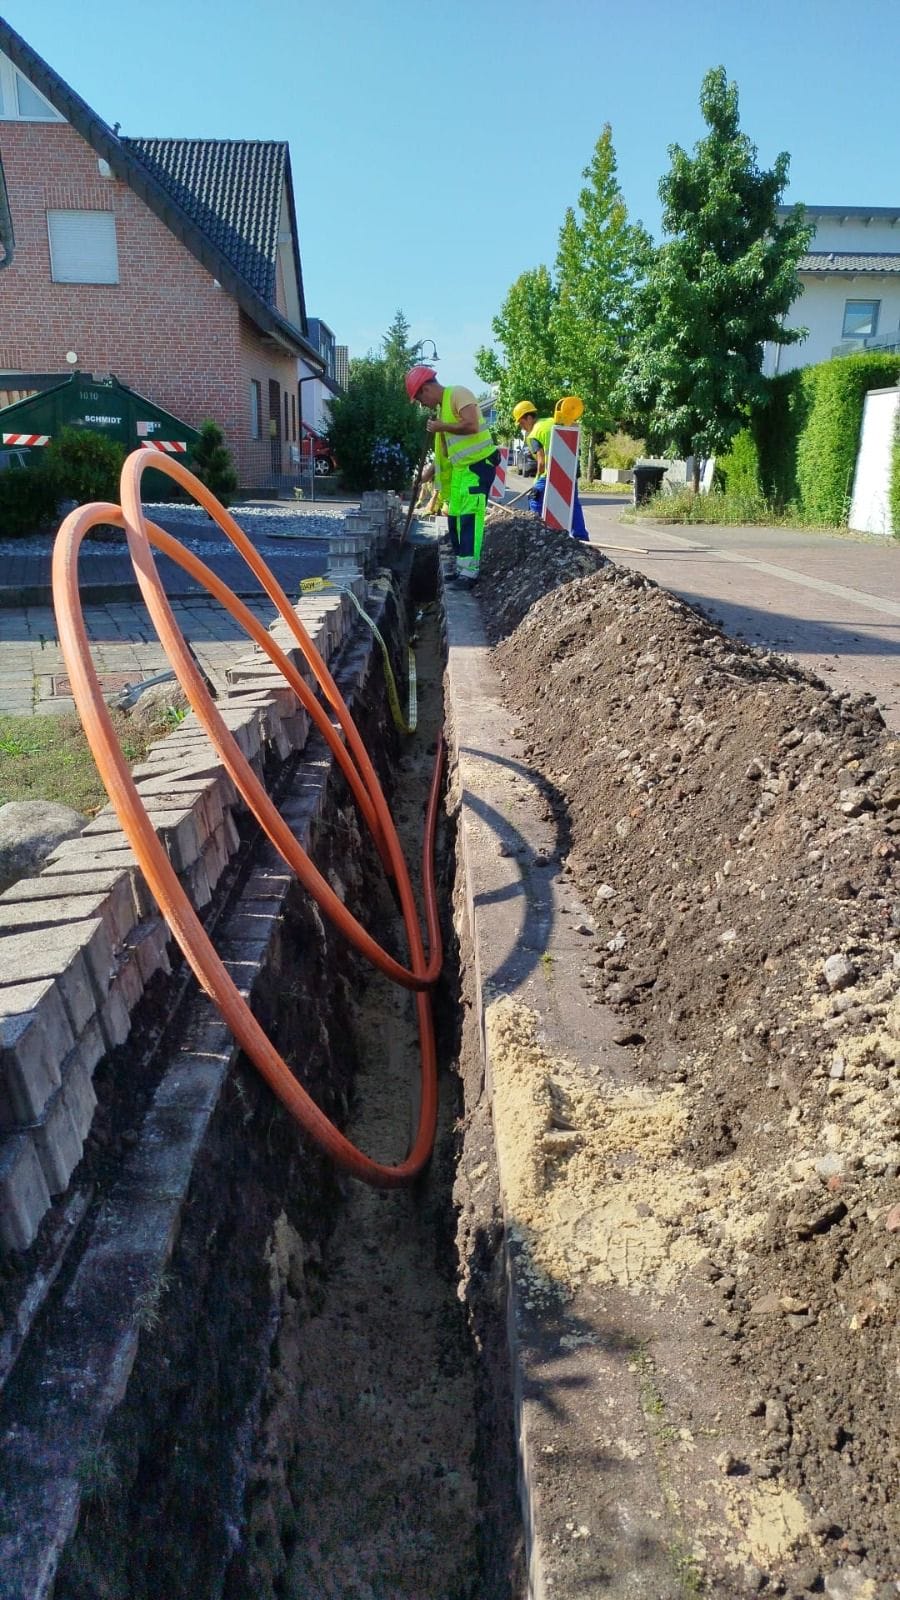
x=124 y=644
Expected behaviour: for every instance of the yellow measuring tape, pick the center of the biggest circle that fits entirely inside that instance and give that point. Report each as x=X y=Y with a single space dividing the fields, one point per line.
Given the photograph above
x=405 y=724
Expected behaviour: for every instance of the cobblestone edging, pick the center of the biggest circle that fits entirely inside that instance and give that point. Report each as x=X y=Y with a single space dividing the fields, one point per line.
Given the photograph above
x=82 y=940
x=52 y=1427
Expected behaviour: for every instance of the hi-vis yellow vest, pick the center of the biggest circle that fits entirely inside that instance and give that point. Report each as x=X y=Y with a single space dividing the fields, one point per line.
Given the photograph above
x=457 y=449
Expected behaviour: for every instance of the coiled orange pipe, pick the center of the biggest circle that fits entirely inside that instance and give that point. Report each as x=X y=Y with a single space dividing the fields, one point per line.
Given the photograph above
x=352 y=758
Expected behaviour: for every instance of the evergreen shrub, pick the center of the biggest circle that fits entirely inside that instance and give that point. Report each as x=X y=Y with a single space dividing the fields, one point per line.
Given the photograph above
x=211 y=462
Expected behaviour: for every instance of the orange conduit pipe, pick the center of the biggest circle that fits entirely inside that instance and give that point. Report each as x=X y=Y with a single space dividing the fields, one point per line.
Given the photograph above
x=174 y=903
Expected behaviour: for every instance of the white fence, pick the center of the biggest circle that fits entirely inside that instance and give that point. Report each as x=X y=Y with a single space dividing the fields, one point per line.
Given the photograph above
x=870 y=507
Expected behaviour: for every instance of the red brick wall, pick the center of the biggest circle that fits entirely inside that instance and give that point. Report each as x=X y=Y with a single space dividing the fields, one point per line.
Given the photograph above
x=165 y=329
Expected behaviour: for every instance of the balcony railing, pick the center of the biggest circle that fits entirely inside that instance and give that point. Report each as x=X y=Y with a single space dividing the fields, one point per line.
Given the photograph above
x=885 y=342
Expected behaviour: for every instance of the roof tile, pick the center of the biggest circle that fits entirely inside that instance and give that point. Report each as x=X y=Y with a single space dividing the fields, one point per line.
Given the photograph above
x=231 y=189
x=849 y=261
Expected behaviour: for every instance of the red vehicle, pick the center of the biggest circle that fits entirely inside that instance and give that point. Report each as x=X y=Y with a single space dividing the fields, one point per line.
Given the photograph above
x=313 y=444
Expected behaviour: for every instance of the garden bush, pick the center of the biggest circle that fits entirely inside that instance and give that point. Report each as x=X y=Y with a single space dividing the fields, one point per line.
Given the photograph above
x=29 y=497
x=619 y=450
x=738 y=469
x=85 y=465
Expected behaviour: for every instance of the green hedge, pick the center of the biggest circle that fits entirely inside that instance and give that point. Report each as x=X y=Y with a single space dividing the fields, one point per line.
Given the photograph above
x=807 y=437
x=828 y=445
x=777 y=429
x=895 y=481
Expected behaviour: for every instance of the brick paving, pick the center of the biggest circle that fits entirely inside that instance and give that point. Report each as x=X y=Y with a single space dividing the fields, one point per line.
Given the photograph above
x=122 y=641
x=830 y=602
x=122 y=637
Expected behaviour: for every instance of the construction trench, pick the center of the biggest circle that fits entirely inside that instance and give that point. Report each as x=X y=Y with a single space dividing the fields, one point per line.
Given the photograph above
x=615 y=1339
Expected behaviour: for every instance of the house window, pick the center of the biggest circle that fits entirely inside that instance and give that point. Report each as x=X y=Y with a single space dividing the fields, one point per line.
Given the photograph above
x=255 y=409
x=287 y=426
x=20 y=101
x=83 y=247
x=860 y=319
x=32 y=106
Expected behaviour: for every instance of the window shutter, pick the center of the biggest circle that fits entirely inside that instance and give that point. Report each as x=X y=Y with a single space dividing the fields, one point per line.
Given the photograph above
x=83 y=246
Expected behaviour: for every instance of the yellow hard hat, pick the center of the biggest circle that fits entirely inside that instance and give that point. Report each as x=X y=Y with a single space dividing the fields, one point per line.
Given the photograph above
x=568 y=410
x=525 y=408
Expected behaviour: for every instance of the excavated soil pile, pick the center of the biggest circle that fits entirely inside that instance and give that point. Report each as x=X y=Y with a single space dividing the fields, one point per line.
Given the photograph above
x=734 y=825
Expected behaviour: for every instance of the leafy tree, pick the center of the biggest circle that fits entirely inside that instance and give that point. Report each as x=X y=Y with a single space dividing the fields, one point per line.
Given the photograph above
x=717 y=289
x=373 y=429
x=600 y=261
x=528 y=370
x=211 y=462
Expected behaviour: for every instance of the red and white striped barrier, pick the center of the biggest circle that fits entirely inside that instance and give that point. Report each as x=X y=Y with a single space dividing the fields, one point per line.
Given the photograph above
x=498 y=486
x=26 y=438
x=171 y=447
x=562 y=478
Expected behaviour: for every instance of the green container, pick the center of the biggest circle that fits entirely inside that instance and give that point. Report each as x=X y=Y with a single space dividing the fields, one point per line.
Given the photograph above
x=102 y=405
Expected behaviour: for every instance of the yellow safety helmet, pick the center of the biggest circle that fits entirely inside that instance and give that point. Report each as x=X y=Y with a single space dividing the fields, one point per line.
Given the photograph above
x=568 y=410
x=525 y=408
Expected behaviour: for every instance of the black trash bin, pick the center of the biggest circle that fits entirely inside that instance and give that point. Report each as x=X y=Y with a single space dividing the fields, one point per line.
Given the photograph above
x=648 y=477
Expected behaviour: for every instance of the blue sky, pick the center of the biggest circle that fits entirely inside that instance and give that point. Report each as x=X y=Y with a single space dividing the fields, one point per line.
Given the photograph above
x=436 y=147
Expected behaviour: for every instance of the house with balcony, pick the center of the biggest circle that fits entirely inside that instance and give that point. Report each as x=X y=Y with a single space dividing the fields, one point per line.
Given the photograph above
x=850 y=280
x=317 y=391
x=172 y=264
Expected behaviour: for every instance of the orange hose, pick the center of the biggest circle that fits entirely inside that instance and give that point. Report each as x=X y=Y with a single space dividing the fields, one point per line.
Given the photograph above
x=355 y=763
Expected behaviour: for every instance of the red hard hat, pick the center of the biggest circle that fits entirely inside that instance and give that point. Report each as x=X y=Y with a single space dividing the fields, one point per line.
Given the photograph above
x=417 y=377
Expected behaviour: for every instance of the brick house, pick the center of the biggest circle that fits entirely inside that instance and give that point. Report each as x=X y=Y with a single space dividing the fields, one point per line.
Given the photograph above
x=172 y=263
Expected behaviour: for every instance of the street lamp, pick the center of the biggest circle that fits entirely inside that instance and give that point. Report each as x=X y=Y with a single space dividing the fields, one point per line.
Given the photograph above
x=419 y=350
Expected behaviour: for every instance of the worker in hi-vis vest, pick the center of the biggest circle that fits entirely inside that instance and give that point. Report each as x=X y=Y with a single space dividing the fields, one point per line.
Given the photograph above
x=536 y=433
x=465 y=461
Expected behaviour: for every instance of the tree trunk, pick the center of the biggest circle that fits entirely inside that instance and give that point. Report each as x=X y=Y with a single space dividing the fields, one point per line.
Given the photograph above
x=695 y=472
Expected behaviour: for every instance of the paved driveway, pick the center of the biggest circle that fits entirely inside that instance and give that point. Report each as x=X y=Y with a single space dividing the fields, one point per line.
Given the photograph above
x=831 y=602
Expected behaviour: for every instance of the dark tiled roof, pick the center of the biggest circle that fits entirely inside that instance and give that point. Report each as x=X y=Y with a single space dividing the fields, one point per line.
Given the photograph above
x=231 y=189
x=849 y=261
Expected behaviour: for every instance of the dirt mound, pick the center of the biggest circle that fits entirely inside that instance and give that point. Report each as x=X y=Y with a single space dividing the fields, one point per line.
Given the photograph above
x=734 y=824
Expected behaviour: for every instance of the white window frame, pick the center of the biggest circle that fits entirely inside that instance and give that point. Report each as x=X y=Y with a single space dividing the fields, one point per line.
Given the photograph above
x=61 y=271
x=9 y=96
